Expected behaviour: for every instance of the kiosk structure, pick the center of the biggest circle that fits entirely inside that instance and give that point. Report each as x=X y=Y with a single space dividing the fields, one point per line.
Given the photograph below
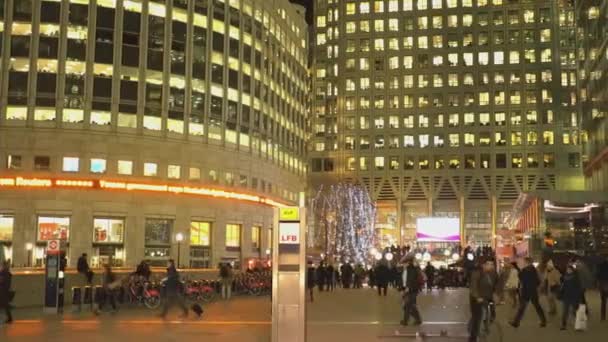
x=54 y=279
x=289 y=275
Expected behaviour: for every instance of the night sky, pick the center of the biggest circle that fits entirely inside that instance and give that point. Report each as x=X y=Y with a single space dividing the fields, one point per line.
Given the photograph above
x=308 y=4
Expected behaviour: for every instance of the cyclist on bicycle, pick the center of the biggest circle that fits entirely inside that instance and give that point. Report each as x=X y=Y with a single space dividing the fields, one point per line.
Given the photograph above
x=481 y=294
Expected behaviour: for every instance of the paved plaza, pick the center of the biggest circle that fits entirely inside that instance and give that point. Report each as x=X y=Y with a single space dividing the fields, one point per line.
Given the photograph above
x=345 y=315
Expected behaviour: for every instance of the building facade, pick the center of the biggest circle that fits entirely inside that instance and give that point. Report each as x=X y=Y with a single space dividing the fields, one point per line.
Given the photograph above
x=593 y=62
x=445 y=107
x=132 y=129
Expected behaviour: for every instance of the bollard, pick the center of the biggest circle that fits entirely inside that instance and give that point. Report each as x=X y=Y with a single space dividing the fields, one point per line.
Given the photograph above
x=99 y=297
x=76 y=299
x=88 y=296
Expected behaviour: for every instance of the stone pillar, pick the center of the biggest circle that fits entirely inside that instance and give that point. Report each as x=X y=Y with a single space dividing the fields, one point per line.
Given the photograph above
x=463 y=237
x=493 y=219
x=400 y=220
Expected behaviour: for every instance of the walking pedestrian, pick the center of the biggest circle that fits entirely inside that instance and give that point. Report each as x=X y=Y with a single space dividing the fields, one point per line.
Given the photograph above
x=310 y=280
x=429 y=270
x=359 y=275
x=347 y=275
x=502 y=282
x=483 y=286
x=108 y=284
x=571 y=292
x=372 y=277
x=6 y=295
x=330 y=277
x=226 y=278
x=82 y=266
x=320 y=276
x=512 y=284
x=413 y=280
x=602 y=282
x=529 y=283
x=551 y=286
x=382 y=275
x=586 y=278
x=173 y=286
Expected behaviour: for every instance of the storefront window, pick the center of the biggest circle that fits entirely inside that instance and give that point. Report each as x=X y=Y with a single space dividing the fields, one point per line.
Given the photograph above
x=200 y=233
x=158 y=231
x=53 y=228
x=233 y=236
x=158 y=241
x=108 y=230
x=255 y=237
x=6 y=228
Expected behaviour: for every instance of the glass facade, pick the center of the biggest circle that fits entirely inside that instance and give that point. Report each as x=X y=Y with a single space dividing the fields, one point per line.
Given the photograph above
x=423 y=100
x=593 y=71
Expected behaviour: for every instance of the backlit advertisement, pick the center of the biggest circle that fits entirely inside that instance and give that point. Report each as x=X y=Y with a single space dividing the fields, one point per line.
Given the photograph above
x=438 y=229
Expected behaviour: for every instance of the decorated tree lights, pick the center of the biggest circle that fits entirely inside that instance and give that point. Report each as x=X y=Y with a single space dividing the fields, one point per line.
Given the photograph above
x=343 y=217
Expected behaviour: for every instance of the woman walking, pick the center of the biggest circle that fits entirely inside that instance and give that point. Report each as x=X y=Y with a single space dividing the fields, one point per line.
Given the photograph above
x=571 y=292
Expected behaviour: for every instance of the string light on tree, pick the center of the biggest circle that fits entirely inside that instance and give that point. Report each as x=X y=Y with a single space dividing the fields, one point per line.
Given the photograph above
x=343 y=217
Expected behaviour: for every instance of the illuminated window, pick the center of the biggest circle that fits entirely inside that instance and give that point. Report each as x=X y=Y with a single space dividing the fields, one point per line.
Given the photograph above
x=200 y=233
x=350 y=164
x=194 y=173
x=14 y=162
x=150 y=169
x=500 y=138
x=517 y=160
x=125 y=167
x=256 y=237
x=516 y=138
x=363 y=163
x=500 y=119
x=469 y=139
x=393 y=24
x=454 y=162
x=233 y=236
x=98 y=165
x=71 y=164
x=174 y=171
x=350 y=8
x=108 y=230
x=422 y=4
x=408 y=121
x=53 y=228
x=454 y=139
x=514 y=57
x=423 y=139
x=6 y=228
x=363 y=7
x=532 y=138
x=379 y=163
x=548 y=138
x=408 y=141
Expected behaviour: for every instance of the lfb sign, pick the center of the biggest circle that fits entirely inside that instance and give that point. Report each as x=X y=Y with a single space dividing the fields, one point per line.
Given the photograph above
x=289 y=233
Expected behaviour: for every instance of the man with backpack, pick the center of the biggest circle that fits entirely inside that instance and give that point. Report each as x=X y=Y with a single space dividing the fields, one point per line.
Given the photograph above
x=226 y=280
x=413 y=281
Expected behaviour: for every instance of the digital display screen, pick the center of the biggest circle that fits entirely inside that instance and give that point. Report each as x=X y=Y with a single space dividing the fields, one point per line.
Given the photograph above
x=438 y=229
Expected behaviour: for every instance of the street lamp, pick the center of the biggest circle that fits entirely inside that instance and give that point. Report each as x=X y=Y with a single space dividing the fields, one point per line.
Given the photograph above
x=179 y=237
x=378 y=256
x=389 y=256
x=455 y=256
x=29 y=247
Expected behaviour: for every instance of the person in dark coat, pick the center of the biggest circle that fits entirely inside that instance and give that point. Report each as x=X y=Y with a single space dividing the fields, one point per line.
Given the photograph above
x=529 y=283
x=347 y=275
x=143 y=270
x=429 y=270
x=82 y=266
x=5 y=291
x=483 y=287
x=172 y=291
x=602 y=285
x=320 y=276
x=372 y=278
x=571 y=293
x=412 y=283
x=382 y=276
x=310 y=280
x=330 y=277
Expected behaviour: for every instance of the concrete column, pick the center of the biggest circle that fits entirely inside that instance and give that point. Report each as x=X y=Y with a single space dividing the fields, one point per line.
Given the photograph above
x=463 y=238
x=400 y=220
x=81 y=232
x=493 y=220
x=181 y=225
x=134 y=239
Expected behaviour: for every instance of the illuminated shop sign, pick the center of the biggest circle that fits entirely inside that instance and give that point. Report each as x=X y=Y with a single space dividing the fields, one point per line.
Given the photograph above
x=22 y=182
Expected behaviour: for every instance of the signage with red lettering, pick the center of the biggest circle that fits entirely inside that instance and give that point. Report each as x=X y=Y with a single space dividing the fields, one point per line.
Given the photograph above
x=289 y=233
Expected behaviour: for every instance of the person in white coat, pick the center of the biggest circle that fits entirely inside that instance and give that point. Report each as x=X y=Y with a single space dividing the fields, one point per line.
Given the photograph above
x=512 y=284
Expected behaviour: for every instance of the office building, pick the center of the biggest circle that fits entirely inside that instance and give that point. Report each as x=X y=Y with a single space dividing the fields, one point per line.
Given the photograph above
x=128 y=127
